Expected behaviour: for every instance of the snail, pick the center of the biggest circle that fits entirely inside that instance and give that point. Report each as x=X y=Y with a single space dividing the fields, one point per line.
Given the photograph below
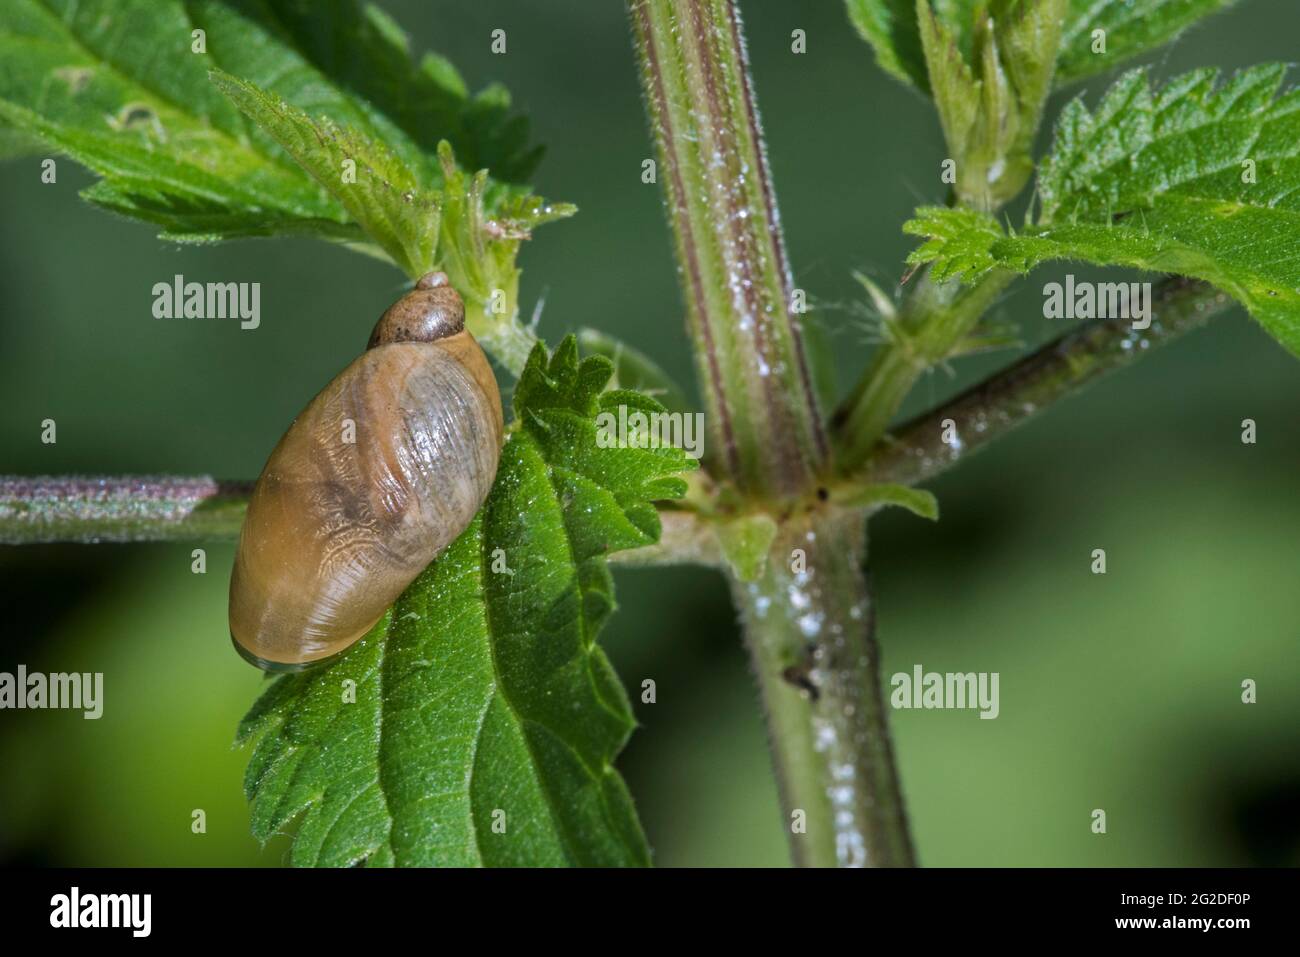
x=381 y=471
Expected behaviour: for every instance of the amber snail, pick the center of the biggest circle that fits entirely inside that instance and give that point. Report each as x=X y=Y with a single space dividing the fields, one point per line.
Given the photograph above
x=381 y=471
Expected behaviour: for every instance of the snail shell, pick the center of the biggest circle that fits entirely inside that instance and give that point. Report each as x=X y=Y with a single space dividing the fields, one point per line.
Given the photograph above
x=337 y=529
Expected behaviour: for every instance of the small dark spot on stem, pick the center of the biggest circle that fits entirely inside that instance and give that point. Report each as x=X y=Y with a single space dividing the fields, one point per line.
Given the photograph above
x=798 y=676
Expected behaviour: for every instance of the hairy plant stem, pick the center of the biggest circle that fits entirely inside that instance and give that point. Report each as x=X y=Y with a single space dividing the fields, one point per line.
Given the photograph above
x=918 y=450
x=810 y=626
x=129 y=508
x=764 y=423
x=831 y=752
x=93 y=509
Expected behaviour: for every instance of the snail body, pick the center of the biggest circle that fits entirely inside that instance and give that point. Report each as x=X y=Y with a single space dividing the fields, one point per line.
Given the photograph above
x=381 y=471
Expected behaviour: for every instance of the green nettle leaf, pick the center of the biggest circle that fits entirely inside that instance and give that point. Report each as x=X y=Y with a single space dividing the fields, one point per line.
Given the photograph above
x=959 y=242
x=16 y=143
x=1198 y=179
x=376 y=189
x=634 y=370
x=367 y=55
x=890 y=27
x=1127 y=27
x=122 y=86
x=1191 y=137
x=477 y=723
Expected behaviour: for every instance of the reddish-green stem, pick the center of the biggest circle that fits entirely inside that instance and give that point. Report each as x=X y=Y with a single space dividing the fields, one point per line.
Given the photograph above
x=762 y=413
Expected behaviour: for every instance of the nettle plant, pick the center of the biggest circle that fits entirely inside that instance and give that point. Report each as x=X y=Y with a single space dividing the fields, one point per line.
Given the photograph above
x=479 y=720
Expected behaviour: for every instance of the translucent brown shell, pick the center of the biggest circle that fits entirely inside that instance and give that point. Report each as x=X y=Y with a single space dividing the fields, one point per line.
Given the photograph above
x=381 y=471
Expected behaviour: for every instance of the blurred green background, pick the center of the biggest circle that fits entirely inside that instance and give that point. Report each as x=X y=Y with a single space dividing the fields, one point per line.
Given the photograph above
x=1118 y=691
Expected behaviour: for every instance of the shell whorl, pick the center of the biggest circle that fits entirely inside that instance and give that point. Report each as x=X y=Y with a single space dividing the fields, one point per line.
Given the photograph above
x=429 y=312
